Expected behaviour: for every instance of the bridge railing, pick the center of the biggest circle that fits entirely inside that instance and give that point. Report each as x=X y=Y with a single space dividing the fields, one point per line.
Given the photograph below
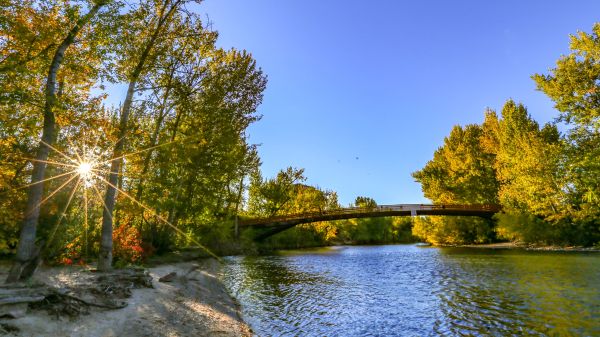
x=375 y=209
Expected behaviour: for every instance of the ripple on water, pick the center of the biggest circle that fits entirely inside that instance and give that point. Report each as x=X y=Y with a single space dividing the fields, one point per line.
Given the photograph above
x=404 y=290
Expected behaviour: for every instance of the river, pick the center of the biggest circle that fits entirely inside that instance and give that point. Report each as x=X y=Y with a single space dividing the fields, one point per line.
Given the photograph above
x=410 y=290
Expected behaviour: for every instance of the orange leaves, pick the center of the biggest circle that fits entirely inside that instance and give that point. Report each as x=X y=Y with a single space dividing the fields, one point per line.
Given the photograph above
x=127 y=244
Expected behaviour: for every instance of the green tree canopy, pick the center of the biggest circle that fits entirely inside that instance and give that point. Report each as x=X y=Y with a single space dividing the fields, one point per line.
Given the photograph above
x=574 y=84
x=461 y=172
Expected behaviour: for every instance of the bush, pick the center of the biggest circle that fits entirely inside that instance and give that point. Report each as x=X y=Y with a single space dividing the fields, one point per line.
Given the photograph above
x=524 y=227
x=528 y=228
x=443 y=230
x=127 y=245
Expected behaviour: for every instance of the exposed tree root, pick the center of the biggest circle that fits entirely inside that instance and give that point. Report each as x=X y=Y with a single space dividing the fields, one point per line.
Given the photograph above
x=104 y=290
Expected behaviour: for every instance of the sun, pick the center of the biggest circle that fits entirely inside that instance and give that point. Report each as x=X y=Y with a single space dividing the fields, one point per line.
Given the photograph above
x=84 y=169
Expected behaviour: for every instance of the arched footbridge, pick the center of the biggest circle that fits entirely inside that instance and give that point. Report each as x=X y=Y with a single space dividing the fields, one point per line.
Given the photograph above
x=273 y=225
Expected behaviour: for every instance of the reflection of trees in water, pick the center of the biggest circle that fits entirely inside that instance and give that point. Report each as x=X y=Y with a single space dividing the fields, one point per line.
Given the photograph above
x=431 y=291
x=516 y=293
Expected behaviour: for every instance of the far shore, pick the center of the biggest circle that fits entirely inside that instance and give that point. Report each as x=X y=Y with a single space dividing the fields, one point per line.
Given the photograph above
x=497 y=245
x=514 y=245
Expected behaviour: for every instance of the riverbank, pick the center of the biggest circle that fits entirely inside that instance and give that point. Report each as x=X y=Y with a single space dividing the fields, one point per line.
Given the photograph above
x=193 y=303
x=515 y=245
x=497 y=245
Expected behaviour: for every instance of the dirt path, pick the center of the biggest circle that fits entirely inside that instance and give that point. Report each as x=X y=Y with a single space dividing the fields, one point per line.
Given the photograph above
x=196 y=304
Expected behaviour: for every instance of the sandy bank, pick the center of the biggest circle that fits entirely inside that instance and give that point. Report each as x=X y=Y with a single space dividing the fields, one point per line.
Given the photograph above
x=193 y=305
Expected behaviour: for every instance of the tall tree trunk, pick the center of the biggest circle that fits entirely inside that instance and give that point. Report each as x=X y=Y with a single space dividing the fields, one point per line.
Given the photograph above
x=105 y=258
x=154 y=138
x=173 y=211
x=106 y=241
x=26 y=260
x=240 y=195
x=238 y=203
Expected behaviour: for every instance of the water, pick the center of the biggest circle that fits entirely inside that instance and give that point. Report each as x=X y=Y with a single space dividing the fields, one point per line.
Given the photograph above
x=407 y=290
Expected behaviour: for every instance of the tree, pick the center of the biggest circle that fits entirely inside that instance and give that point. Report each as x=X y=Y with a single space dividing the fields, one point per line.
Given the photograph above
x=461 y=171
x=135 y=64
x=528 y=163
x=26 y=259
x=453 y=230
x=365 y=202
x=206 y=165
x=182 y=127
x=573 y=84
x=287 y=195
x=268 y=197
x=574 y=87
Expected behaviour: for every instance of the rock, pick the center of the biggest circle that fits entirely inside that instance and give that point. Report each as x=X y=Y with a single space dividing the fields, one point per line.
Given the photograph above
x=168 y=278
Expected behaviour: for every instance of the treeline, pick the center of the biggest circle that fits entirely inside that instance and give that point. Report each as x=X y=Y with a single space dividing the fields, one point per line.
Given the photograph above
x=547 y=182
x=286 y=193
x=164 y=168
x=170 y=166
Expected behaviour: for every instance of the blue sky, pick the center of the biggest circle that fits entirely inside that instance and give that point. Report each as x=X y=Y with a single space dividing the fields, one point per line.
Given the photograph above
x=361 y=93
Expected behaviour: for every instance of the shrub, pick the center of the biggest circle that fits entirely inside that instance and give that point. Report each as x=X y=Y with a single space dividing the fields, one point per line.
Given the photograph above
x=127 y=244
x=443 y=230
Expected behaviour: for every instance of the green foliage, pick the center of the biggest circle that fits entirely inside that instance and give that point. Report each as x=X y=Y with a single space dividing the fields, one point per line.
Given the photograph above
x=30 y=32
x=194 y=103
x=573 y=85
x=285 y=195
x=269 y=197
x=301 y=236
x=528 y=163
x=461 y=171
x=376 y=230
x=521 y=166
x=524 y=227
x=547 y=183
x=447 y=230
x=365 y=202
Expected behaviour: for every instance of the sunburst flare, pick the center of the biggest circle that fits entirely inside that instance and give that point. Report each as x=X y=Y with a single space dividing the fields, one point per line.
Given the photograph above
x=87 y=168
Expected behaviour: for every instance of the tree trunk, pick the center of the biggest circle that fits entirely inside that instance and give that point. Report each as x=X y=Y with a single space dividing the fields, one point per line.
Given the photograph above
x=26 y=250
x=172 y=212
x=154 y=138
x=106 y=241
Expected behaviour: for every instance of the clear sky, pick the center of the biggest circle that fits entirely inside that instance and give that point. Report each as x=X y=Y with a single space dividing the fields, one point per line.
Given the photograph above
x=361 y=93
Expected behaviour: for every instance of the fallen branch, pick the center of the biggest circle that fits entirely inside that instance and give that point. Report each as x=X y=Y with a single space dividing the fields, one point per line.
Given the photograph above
x=122 y=305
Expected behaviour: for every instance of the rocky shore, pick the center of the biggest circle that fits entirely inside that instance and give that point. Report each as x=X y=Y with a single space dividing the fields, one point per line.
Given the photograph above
x=192 y=302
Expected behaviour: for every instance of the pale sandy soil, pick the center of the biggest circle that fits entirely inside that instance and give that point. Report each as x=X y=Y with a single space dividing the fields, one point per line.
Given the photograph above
x=193 y=305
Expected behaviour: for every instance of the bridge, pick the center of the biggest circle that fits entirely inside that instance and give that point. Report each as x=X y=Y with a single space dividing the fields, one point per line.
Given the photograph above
x=273 y=225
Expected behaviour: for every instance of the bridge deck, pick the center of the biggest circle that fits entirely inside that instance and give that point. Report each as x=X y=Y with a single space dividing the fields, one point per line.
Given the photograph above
x=378 y=211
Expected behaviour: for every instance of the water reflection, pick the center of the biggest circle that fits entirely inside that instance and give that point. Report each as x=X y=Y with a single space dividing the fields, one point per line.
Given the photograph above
x=404 y=290
x=516 y=293
x=279 y=291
